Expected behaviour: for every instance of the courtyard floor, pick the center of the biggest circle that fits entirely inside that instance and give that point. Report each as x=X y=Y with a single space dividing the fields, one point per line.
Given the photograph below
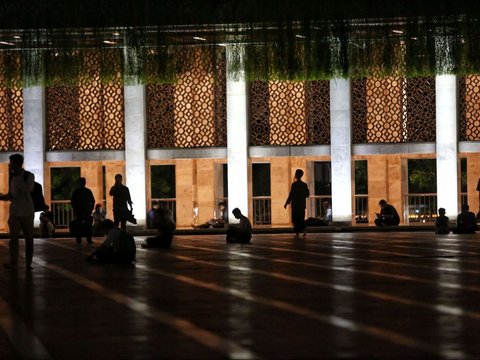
x=344 y=295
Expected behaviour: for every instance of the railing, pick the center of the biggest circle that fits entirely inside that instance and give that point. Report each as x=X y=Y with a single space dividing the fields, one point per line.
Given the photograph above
x=361 y=209
x=170 y=204
x=262 y=210
x=420 y=208
x=318 y=210
x=62 y=213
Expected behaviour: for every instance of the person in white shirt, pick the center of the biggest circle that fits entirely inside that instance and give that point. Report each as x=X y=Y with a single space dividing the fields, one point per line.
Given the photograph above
x=22 y=211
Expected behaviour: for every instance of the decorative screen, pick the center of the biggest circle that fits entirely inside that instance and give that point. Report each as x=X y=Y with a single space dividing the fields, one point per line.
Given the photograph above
x=289 y=112
x=11 y=102
x=393 y=110
x=469 y=108
x=90 y=115
x=192 y=111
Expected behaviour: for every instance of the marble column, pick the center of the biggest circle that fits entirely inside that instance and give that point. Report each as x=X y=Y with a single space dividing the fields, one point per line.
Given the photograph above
x=341 y=150
x=447 y=143
x=135 y=149
x=34 y=130
x=237 y=136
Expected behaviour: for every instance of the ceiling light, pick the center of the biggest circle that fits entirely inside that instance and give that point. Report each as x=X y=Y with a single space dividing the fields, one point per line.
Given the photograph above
x=6 y=43
x=300 y=36
x=199 y=38
x=109 y=42
x=397 y=31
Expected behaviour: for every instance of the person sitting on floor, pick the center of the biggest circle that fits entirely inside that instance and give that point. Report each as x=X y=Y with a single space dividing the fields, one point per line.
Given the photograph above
x=152 y=215
x=219 y=222
x=466 y=222
x=118 y=247
x=441 y=222
x=321 y=220
x=99 y=215
x=239 y=233
x=388 y=215
x=47 y=228
x=165 y=227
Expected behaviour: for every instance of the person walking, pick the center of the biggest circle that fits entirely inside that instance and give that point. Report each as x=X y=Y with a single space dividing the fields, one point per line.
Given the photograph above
x=22 y=211
x=83 y=203
x=121 y=202
x=297 y=199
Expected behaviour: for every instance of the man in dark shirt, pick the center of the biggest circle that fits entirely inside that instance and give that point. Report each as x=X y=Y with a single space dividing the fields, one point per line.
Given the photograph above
x=388 y=215
x=122 y=202
x=297 y=199
x=83 y=203
x=466 y=222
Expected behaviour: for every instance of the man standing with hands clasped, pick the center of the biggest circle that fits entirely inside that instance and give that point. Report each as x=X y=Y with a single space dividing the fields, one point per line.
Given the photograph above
x=22 y=211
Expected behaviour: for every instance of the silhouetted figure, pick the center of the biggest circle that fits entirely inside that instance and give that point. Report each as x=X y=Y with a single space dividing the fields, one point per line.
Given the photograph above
x=466 y=221
x=297 y=198
x=83 y=203
x=99 y=215
x=219 y=222
x=441 y=222
x=47 y=227
x=321 y=220
x=118 y=247
x=22 y=211
x=122 y=202
x=239 y=233
x=152 y=215
x=478 y=189
x=388 y=215
x=165 y=227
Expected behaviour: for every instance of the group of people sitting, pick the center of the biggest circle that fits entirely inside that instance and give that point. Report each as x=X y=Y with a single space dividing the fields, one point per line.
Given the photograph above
x=467 y=222
x=47 y=225
x=119 y=246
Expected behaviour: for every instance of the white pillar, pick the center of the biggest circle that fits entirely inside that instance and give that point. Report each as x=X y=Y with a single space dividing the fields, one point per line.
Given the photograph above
x=34 y=131
x=340 y=150
x=447 y=143
x=237 y=137
x=135 y=149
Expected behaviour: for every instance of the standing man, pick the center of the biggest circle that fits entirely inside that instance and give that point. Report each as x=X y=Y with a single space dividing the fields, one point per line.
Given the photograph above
x=22 y=212
x=122 y=202
x=83 y=203
x=298 y=202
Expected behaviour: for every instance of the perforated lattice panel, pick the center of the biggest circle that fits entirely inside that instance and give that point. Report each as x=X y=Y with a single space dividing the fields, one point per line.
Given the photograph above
x=11 y=103
x=191 y=112
x=421 y=109
x=93 y=112
x=289 y=113
x=469 y=108
x=393 y=110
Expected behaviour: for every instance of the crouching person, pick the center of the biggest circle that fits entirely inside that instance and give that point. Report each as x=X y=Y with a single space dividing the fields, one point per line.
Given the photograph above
x=165 y=227
x=118 y=247
x=239 y=233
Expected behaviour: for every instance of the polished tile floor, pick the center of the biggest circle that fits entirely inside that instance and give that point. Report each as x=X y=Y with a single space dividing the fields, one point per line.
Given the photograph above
x=344 y=295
